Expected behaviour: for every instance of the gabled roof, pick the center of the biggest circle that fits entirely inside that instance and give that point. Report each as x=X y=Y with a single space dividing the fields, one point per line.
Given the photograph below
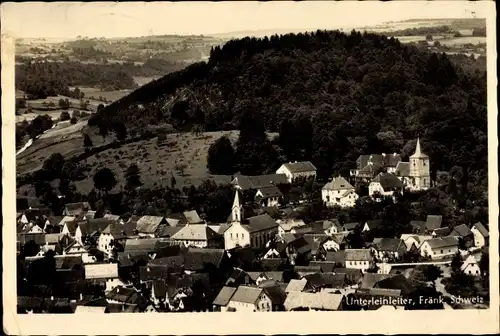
x=224 y=296
x=338 y=183
x=94 y=225
x=261 y=222
x=388 y=181
x=374 y=223
x=299 y=167
x=111 y=217
x=442 y=242
x=247 y=294
x=66 y=219
x=322 y=225
x=272 y=264
x=358 y=255
x=54 y=220
x=150 y=272
x=296 y=285
x=192 y=217
x=76 y=209
x=268 y=192
x=336 y=257
x=199 y=232
x=418 y=225
x=461 y=230
x=246 y=182
x=146 y=245
x=482 y=229
x=325 y=266
x=402 y=169
x=320 y=280
x=118 y=230
x=320 y=301
x=388 y=160
x=38 y=238
x=387 y=244
x=442 y=232
x=290 y=224
x=276 y=293
x=168 y=231
x=101 y=271
x=197 y=259
x=433 y=222
x=149 y=224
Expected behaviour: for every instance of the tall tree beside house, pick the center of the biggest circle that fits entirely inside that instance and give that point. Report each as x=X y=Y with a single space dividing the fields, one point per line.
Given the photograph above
x=456 y=263
x=104 y=180
x=221 y=158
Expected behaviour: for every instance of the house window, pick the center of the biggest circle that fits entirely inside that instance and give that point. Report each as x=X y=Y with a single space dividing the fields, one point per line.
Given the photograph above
x=242 y=235
x=441 y=251
x=236 y=235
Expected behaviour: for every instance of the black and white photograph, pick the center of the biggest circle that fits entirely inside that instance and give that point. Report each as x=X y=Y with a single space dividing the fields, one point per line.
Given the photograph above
x=248 y=157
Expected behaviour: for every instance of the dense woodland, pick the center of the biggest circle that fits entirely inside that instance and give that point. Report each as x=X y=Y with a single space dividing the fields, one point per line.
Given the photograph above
x=341 y=94
x=40 y=79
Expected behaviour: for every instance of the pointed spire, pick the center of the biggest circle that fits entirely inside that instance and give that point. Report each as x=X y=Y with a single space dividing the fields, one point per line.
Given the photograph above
x=417 y=149
x=236 y=210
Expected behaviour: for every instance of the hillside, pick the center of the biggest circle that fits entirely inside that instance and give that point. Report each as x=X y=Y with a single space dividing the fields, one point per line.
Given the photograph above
x=360 y=93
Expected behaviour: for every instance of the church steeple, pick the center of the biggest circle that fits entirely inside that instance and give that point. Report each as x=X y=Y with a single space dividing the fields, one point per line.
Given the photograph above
x=418 y=151
x=237 y=209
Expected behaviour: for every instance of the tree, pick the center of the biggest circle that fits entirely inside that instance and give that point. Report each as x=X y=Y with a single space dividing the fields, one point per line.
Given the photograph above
x=456 y=263
x=64 y=116
x=54 y=164
x=104 y=180
x=120 y=130
x=73 y=120
x=221 y=158
x=484 y=264
x=432 y=272
x=30 y=249
x=87 y=142
x=133 y=177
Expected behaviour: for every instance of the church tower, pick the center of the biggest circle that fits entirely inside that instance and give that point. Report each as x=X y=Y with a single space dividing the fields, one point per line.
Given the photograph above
x=419 y=169
x=237 y=209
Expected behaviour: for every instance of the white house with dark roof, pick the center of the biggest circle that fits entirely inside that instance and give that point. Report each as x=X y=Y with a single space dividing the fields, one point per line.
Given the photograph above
x=438 y=248
x=297 y=171
x=463 y=232
x=222 y=299
x=103 y=273
x=255 y=231
x=248 y=182
x=388 y=248
x=481 y=235
x=339 y=192
x=470 y=266
x=384 y=184
x=268 y=196
x=250 y=299
x=368 y=165
x=199 y=235
x=361 y=259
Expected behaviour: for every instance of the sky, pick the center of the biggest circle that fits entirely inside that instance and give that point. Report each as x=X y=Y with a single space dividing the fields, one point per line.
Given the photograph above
x=108 y=19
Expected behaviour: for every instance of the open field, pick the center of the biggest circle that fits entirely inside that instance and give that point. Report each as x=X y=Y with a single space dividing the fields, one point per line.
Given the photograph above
x=183 y=154
x=108 y=95
x=463 y=40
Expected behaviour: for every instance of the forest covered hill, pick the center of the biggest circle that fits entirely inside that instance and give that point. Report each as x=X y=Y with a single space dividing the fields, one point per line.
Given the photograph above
x=332 y=96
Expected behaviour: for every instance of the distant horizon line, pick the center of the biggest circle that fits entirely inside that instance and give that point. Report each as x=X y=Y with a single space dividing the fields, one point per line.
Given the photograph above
x=240 y=32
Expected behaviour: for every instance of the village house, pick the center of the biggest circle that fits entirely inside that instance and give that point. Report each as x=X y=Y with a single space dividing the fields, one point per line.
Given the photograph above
x=481 y=235
x=297 y=171
x=350 y=227
x=367 y=166
x=268 y=196
x=76 y=209
x=288 y=226
x=255 y=231
x=221 y=301
x=470 y=266
x=413 y=241
x=438 y=248
x=147 y=226
x=327 y=226
x=361 y=259
x=384 y=184
x=244 y=182
x=114 y=232
x=298 y=285
x=339 y=192
x=250 y=299
x=104 y=274
x=388 y=248
x=91 y=229
x=199 y=235
x=463 y=232
x=321 y=301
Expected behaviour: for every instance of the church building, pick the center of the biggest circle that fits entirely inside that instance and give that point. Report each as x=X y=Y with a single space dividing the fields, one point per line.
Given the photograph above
x=415 y=174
